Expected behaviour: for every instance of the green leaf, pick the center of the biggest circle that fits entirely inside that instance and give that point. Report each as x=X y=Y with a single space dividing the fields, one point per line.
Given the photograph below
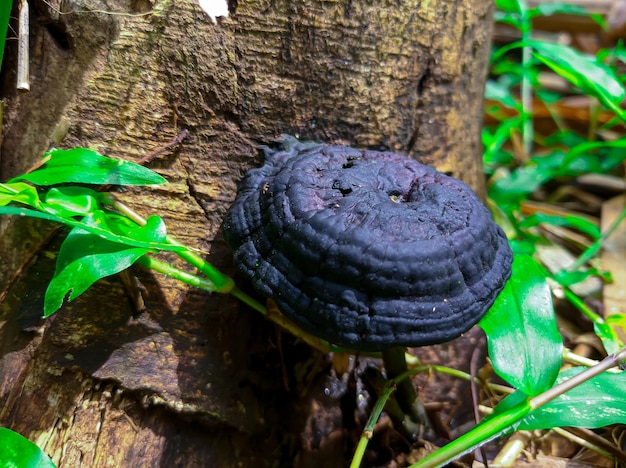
x=618 y=52
x=523 y=339
x=567 y=278
x=100 y=227
x=498 y=92
x=549 y=9
x=581 y=159
x=583 y=71
x=513 y=6
x=154 y=232
x=84 y=258
x=565 y=138
x=519 y=184
x=80 y=165
x=512 y=19
x=583 y=225
x=71 y=201
x=610 y=330
x=522 y=246
x=595 y=403
x=493 y=154
x=18 y=452
x=19 y=192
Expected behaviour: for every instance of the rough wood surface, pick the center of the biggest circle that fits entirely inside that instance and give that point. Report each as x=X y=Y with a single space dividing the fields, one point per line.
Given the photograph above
x=196 y=378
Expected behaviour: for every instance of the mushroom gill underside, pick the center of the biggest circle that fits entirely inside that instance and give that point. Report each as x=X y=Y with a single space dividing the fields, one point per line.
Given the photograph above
x=368 y=250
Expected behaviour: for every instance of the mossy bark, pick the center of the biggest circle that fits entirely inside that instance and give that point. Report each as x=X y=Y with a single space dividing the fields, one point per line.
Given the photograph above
x=406 y=76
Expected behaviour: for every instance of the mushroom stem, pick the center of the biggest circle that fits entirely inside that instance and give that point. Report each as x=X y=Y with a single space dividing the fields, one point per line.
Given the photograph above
x=395 y=365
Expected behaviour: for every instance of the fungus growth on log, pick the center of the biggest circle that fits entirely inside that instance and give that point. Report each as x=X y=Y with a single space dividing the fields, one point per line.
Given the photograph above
x=368 y=250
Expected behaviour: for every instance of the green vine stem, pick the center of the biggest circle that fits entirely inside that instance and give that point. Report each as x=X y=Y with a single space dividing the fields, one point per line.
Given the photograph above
x=168 y=270
x=368 y=430
x=216 y=282
x=581 y=306
x=223 y=283
x=206 y=285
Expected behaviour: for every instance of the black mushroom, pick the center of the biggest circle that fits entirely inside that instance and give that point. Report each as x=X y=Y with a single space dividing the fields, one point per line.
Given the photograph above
x=368 y=250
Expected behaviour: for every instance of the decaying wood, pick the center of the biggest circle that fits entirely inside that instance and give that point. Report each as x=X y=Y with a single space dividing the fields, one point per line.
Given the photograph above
x=100 y=386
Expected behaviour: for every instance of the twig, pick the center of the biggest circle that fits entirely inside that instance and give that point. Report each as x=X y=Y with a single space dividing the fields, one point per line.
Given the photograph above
x=23 y=80
x=177 y=140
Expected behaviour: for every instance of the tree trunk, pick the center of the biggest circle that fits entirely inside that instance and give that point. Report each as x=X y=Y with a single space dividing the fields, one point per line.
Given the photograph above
x=199 y=380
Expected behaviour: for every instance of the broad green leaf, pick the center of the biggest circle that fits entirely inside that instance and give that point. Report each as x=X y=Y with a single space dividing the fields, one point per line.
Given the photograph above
x=595 y=403
x=523 y=339
x=84 y=258
x=18 y=452
x=70 y=201
x=581 y=70
x=522 y=182
x=80 y=165
x=18 y=192
x=98 y=227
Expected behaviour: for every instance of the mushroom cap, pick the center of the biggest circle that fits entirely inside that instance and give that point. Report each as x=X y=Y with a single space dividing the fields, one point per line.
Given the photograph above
x=366 y=249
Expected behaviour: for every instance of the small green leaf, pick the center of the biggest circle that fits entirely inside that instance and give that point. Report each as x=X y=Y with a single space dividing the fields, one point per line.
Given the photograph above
x=80 y=165
x=567 y=278
x=595 y=156
x=547 y=96
x=498 y=92
x=610 y=331
x=512 y=19
x=18 y=452
x=583 y=225
x=153 y=232
x=583 y=71
x=70 y=201
x=597 y=402
x=18 y=192
x=523 y=339
x=513 y=6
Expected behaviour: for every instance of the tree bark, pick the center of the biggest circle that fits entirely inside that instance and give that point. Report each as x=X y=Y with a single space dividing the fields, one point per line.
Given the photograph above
x=199 y=380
